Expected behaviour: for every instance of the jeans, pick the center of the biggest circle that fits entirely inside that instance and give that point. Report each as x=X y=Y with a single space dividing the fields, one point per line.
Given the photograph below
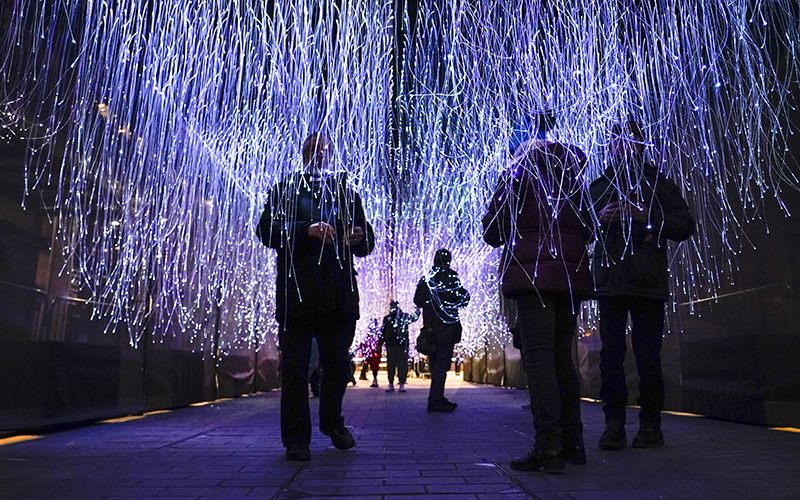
x=647 y=318
x=439 y=364
x=397 y=359
x=547 y=330
x=334 y=341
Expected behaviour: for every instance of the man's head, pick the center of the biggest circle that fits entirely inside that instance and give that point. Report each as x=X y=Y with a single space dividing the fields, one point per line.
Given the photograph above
x=317 y=152
x=442 y=258
x=393 y=305
x=627 y=140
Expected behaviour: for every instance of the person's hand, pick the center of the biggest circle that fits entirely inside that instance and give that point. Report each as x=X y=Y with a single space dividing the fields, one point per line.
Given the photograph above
x=322 y=231
x=610 y=212
x=639 y=214
x=355 y=236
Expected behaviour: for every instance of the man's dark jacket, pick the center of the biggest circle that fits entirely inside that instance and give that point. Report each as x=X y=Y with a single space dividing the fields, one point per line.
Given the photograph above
x=634 y=262
x=313 y=278
x=543 y=253
x=440 y=295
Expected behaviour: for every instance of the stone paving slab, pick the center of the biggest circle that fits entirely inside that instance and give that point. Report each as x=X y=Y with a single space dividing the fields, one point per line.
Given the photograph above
x=231 y=449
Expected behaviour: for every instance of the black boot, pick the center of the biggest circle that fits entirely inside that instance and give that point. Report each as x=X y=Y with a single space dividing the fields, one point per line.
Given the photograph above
x=649 y=436
x=298 y=453
x=613 y=437
x=575 y=455
x=548 y=460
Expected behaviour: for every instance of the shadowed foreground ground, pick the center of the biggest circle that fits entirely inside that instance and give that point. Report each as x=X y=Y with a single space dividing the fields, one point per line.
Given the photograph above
x=231 y=449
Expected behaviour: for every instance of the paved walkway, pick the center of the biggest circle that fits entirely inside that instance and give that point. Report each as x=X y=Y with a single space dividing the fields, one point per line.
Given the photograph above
x=231 y=449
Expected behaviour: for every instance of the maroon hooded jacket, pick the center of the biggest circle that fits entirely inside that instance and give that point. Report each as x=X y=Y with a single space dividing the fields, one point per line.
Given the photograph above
x=535 y=213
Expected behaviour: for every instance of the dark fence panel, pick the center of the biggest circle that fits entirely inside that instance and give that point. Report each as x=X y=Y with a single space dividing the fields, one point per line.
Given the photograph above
x=58 y=365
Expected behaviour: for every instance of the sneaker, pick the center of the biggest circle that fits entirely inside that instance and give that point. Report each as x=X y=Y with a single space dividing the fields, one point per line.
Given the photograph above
x=341 y=438
x=390 y=388
x=575 y=455
x=441 y=406
x=649 y=436
x=298 y=453
x=548 y=460
x=374 y=383
x=613 y=437
x=402 y=388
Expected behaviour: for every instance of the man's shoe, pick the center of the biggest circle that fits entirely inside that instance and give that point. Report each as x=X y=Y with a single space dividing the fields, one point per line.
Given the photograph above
x=441 y=406
x=342 y=439
x=390 y=388
x=298 y=453
x=548 y=460
x=402 y=388
x=526 y=406
x=575 y=455
x=613 y=437
x=374 y=383
x=649 y=436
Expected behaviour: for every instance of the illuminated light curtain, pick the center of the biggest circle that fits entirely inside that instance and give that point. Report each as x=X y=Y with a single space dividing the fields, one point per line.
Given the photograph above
x=167 y=123
x=708 y=81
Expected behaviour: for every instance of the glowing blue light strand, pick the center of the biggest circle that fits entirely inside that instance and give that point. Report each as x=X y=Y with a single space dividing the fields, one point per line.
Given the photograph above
x=167 y=124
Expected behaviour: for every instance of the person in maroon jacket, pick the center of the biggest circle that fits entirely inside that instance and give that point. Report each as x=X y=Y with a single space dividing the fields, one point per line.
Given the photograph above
x=535 y=213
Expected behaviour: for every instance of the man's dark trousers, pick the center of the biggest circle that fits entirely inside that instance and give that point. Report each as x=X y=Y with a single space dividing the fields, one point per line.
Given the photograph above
x=334 y=338
x=439 y=365
x=397 y=359
x=647 y=318
x=547 y=330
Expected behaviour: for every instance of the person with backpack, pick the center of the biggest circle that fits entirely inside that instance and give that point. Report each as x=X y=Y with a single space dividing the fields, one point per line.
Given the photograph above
x=394 y=334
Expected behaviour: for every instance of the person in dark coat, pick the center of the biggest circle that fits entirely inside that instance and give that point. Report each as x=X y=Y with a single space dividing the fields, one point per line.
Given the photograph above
x=317 y=226
x=394 y=334
x=639 y=210
x=536 y=214
x=440 y=295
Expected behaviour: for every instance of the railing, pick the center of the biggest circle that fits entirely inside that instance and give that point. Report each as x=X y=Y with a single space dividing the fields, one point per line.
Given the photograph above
x=26 y=313
x=23 y=311
x=716 y=298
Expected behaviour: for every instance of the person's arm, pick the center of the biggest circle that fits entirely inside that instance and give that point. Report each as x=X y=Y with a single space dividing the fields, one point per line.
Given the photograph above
x=675 y=222
x=274 y=229
x=362 y=237
x=460 y=295
x=605 y=202
x=579 y=198
x=465 y=297
x=497 y=221
x=422 y=294
x=382 y=333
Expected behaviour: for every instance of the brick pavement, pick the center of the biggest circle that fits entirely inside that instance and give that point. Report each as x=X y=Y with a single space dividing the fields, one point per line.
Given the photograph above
x=231 y=449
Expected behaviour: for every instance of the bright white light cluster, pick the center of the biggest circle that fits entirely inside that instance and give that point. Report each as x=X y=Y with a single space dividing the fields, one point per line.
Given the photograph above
x=167 y=123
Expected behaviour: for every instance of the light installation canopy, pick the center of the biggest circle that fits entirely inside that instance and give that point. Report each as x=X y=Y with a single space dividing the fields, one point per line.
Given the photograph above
x=165 y=123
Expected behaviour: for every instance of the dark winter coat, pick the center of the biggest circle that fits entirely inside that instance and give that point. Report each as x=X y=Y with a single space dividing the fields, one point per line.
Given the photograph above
x=440 y=295
x=313 y=278
x=535 y=213
x=634 y=261
x=395 y=327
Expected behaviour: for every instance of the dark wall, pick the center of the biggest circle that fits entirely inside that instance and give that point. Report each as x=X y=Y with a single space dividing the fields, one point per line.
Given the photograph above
x=59 y=365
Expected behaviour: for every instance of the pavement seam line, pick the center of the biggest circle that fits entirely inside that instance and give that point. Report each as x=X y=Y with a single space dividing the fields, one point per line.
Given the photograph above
x=188 y=438
x=516 y=481
x=287 y=483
